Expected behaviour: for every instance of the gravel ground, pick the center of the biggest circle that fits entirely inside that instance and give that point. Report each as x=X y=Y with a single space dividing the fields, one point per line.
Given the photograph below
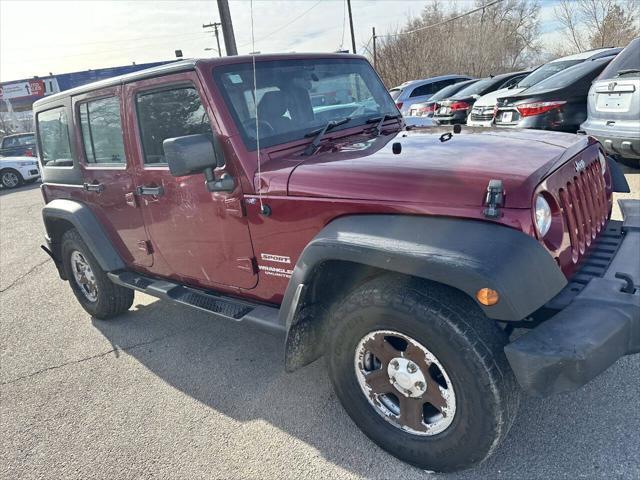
x=165 y=392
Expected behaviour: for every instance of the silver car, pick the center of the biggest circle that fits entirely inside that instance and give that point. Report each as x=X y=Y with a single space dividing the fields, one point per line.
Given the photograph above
x=418 y=91
x=614 y=106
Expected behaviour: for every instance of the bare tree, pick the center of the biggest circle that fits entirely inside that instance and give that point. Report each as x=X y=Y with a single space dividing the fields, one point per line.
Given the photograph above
x=493 y=40
x=598 y=23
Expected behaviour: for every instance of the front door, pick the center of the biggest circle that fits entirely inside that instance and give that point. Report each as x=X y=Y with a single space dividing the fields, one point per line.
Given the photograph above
x=198 y=237
x=108 y=173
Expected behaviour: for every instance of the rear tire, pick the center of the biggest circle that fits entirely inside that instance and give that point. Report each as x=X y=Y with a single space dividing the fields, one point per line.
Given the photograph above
x=472 y=373
x=97 y=294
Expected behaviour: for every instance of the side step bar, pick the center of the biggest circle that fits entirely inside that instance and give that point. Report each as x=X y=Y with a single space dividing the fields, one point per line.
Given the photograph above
x=262 y=316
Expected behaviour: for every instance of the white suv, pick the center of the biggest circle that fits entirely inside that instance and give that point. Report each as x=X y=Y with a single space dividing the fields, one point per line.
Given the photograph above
x=14 y=171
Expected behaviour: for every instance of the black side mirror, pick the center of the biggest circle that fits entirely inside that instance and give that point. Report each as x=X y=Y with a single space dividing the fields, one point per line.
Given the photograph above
x=189 y=154
x=194 y=154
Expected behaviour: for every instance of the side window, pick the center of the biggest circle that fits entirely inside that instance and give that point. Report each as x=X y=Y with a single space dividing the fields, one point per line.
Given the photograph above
x=166 y=114
x=426 y=89
x=446 y=83
x=102 y=131
x=53 y=128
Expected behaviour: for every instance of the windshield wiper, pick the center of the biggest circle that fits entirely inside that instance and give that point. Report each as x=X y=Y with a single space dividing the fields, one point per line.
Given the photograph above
x=619 y=73
x=381 y=120
x=320 y=132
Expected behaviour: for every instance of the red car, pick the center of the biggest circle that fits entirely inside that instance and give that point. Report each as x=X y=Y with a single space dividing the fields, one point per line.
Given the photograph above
x=406 y=259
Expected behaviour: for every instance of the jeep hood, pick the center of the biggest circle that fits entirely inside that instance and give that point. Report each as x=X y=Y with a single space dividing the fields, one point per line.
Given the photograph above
x=454 y=172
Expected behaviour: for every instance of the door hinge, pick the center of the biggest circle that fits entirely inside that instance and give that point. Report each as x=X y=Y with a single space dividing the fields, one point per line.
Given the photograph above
x=145 y=246
x=248 y=265
x=234 y=207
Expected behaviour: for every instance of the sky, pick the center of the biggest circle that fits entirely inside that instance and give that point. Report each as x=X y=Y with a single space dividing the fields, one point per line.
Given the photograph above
x=38 y=37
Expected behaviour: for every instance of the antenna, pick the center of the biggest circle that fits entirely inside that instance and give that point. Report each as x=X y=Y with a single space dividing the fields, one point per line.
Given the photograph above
x=264 y=210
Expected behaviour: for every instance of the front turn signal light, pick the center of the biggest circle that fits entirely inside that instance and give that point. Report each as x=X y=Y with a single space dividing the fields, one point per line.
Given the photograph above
x=487 y=296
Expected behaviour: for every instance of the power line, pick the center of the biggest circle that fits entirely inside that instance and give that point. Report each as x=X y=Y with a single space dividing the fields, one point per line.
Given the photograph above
x=443 y=22
x=286 y=24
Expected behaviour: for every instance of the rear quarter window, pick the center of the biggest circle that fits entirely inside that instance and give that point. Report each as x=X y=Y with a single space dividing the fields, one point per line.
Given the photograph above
x=53 y=130
x=395 y=92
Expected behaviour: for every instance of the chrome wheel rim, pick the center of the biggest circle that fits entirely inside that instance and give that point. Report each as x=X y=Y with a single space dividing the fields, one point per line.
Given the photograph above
x=83 y=275
x=10 y=179
x=405 y=383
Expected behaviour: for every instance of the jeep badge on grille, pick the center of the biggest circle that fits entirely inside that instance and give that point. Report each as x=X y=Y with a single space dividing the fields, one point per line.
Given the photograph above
x=580 y=165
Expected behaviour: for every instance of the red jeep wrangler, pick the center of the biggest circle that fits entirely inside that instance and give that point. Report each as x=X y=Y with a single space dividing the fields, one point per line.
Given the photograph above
x=287 y=194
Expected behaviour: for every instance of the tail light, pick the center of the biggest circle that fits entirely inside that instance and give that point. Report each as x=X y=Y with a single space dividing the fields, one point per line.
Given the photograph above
x=537 y=108
x=399 y=105
x=426 y=109
x=459 y=106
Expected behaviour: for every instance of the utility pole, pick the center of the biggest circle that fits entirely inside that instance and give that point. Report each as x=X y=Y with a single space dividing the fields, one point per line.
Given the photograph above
x=227 y=28
x=215 y=26
x=375 y=57
x=353 y=38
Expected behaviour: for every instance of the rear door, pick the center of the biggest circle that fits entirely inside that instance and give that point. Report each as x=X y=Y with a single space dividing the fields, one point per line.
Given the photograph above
x=108 y=173
x=198 y=237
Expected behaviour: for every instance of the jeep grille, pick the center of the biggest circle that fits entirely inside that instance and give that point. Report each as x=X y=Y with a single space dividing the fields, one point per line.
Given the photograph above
x=585 y=208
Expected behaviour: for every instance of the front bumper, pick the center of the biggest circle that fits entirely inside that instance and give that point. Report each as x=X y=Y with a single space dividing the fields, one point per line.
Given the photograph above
x=597 y=327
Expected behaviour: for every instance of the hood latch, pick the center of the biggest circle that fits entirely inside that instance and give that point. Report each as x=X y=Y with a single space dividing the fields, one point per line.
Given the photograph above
x=494 y=199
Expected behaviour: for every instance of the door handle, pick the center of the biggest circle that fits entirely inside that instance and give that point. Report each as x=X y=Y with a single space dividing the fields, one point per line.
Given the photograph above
x=156 y=191
x=94 y=187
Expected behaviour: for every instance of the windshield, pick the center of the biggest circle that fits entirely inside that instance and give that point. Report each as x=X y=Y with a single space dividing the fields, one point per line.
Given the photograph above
x=446 y=92
x=568 y=76
x=395 y=93
x=626 y=64
x=294 y=97
x=545 y=71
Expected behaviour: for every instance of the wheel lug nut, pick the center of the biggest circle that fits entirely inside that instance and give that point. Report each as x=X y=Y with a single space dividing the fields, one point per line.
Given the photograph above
x=411 y=368
x=395 y=364
x=420 y=385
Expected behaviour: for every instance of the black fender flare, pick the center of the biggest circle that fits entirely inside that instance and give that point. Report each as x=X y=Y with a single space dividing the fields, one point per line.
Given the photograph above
x=618 y=180
x=87 y=225
x=465 y=254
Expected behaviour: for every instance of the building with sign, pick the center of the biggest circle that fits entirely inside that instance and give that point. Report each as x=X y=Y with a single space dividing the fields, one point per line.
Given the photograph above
x=17 y=97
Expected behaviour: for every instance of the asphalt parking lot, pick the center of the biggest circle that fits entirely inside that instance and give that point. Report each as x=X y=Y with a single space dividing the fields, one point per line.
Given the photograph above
x=166 y=392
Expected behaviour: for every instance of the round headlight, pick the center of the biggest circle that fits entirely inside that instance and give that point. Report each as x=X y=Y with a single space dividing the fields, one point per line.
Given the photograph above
x=543 y=216
x=603 y=161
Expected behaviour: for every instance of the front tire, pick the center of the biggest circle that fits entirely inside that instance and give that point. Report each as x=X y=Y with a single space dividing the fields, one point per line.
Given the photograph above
x=11 y=178
x=97 y=294
x=421 y=370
